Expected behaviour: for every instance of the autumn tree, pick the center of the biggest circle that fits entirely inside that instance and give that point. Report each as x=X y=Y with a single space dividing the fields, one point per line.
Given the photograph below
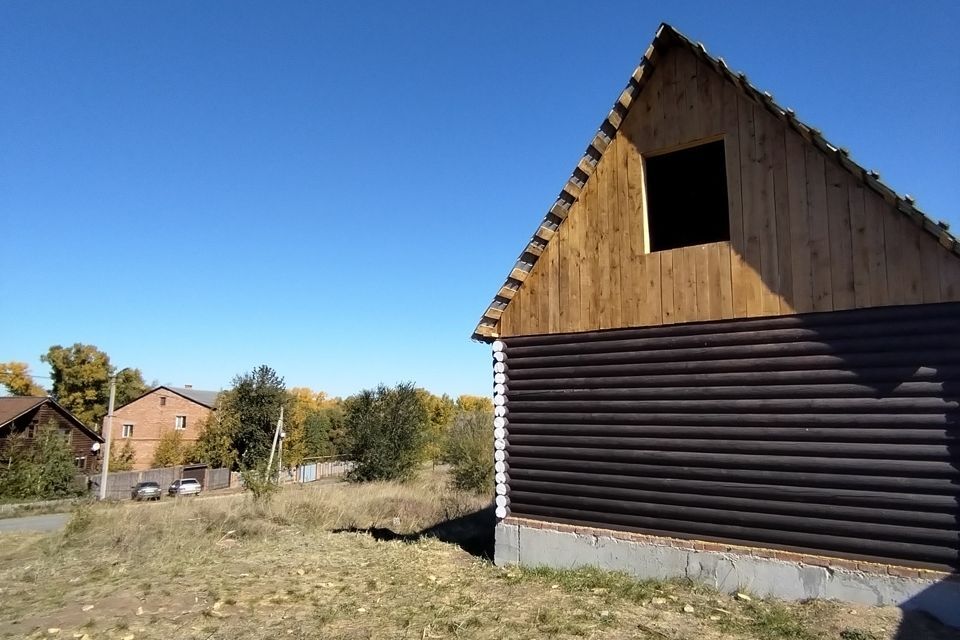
x=16 y=378
x=122 y=458
x=215 y=444
x=474 y=403
x=81 y=381
x=171 y=450
x=440 y=411
x=385 y=432
x=252 y=408
x=324 y=431
x=469 y=450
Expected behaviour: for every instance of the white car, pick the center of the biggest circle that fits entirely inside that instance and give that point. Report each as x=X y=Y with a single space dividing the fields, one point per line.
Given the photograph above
x=185 y=487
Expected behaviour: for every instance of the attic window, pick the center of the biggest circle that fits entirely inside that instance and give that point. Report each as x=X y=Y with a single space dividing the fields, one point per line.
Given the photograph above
x=687 y=197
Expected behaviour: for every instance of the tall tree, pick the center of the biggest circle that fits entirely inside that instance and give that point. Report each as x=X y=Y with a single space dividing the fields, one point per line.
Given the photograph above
x=215 y=445
x=81 y=381
x=252 y=407
x=15 y=376
x=440 y=411
x=171 y=450
x=385 y=431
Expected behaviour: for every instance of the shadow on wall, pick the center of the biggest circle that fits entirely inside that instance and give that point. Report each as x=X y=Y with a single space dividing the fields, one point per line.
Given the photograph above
x=923 y=613
x=939 y=603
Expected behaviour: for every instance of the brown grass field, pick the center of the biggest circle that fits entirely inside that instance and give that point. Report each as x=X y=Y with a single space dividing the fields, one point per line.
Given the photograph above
x=348 y=561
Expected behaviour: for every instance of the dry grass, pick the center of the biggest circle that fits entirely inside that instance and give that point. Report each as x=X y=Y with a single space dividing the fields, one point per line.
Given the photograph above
x=227 y=568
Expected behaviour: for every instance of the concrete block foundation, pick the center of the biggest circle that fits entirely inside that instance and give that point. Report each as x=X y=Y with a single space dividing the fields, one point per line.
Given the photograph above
x=532 y=544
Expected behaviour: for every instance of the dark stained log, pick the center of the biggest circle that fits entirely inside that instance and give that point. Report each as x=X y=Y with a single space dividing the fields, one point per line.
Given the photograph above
x=849 y=346
x=652 y=503
x=752 y=392
x=909 y=502
x=858 y=546
x=850 y=362
x=742 y=512
x=938 y=435
x=782 y=476
x=880 y=315
x=859 y=406
x=931 y=452
x=834 y=335
x=836 y=433
x=746 y=461
x=876 y=420
x=878 y=376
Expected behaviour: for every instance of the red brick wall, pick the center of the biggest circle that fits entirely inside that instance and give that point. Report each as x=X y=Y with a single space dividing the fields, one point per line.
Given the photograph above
x=150 y=421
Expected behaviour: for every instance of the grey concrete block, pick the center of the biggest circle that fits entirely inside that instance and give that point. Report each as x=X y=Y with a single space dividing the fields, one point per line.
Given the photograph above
x=506 y=546
x=728 y=572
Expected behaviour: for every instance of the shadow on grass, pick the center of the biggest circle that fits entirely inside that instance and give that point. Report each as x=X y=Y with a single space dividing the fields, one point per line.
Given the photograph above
x=472 y=532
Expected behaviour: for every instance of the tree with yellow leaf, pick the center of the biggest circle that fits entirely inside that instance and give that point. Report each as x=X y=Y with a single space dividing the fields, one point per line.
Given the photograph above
x=15 y=376
x=474 y=403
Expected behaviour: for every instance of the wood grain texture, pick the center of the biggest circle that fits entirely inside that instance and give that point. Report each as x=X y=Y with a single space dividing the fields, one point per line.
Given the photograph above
x=805 y=234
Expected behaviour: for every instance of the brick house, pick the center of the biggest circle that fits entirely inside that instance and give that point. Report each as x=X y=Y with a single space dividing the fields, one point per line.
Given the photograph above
x=142 y=422
x=24 y=415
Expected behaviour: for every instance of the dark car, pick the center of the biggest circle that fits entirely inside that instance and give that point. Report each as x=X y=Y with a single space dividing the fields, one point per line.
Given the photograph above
x=146 y=491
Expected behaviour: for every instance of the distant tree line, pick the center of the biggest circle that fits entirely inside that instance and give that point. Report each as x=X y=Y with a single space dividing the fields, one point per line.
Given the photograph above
x=389 y=432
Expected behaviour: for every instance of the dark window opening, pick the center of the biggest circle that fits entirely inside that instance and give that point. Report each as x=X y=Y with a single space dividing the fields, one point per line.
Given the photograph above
x=687 y=197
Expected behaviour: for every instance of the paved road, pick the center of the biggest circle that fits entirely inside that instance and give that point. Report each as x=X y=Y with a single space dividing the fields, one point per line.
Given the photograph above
x=48 y=522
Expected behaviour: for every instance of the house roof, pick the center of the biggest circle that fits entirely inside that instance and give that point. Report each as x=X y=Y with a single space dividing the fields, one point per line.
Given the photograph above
x=665 y=38
x=12 y=407
x=206 y=398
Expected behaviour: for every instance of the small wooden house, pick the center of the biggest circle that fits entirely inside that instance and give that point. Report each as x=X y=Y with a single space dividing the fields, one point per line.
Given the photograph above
x=23 y=416
x=733 y=349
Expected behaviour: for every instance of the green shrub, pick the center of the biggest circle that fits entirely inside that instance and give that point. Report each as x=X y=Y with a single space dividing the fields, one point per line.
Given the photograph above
x=385 y=433
x=469 y=450
x=80 y=521
x=121 y=458
x=260 y=483
x=171 y=450
x=38 y=469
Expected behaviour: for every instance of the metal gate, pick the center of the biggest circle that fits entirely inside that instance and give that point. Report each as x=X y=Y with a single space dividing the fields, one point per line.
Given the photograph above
x=308 y=472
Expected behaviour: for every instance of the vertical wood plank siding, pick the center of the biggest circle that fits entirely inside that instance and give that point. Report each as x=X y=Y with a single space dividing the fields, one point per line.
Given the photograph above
x=805 y=235
x=837 y=433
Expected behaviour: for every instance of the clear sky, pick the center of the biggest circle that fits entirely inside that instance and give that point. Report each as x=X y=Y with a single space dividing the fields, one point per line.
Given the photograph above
x=338 y=189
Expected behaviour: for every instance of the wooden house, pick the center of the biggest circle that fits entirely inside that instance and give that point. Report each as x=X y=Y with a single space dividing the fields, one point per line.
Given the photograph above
x=726 y=337
x=25 y=415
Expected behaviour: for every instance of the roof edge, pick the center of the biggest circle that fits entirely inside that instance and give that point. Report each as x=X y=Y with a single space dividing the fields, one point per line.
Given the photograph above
x=171 y=390
x=665 y=37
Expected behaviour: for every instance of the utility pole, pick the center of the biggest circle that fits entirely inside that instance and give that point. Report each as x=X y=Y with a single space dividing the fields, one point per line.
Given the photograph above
x=105 y=462
x=276 y=439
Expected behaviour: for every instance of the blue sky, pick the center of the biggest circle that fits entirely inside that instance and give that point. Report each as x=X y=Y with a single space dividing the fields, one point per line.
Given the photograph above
x=337 y=190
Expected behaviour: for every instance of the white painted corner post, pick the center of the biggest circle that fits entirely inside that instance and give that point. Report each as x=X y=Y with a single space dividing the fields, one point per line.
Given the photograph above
x=500 y=432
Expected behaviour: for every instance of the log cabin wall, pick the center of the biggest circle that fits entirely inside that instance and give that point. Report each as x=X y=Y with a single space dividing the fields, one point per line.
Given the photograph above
x=805 y=234
x=80 y=443
x=835 y=433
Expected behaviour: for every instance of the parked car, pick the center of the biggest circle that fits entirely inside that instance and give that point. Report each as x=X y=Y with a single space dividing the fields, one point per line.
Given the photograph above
x=145 y=491
x=185 y=487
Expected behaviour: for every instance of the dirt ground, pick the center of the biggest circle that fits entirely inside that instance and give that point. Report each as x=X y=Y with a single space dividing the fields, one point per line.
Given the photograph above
x=346 y=562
